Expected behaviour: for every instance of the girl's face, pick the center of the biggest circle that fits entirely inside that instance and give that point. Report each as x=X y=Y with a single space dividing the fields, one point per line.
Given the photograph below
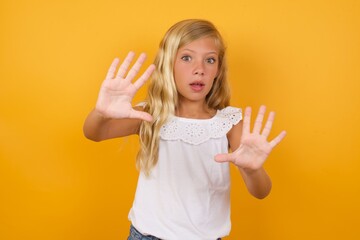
x=195 y=68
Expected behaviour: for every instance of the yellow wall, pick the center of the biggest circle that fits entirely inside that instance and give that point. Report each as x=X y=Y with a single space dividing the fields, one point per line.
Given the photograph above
x=301 y=58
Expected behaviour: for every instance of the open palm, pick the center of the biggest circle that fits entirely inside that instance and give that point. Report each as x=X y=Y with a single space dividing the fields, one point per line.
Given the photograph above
x=118 y=90
x=254 y=147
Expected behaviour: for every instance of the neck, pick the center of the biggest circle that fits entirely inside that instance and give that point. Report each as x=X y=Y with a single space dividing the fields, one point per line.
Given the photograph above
x=198 y=110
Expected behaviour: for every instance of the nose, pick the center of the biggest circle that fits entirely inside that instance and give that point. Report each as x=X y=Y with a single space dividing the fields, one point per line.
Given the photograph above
x=199 y=73
x=199 y=68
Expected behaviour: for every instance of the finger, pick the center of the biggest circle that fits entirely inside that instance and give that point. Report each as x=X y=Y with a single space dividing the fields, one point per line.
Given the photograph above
x=247 y=118
x=144 y=77
x=141 y=115
x=268 y=125
x=136 y=68
x=227 y=157
x=259 y=119
x=278 y=139
x=125 y=65
x=111 y=72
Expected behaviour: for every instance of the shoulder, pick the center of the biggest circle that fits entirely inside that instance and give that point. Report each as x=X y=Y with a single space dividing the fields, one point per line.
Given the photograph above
x=234 y=114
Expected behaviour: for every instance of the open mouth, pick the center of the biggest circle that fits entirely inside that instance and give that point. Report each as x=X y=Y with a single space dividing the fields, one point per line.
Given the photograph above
x=197 y=86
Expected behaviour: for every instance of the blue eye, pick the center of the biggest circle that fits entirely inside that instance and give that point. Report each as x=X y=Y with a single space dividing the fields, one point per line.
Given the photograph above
x=211 y=60
x=186 y=58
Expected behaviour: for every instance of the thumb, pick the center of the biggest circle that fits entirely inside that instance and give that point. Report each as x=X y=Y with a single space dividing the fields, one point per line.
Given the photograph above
x=224 y=157
x=141 y=115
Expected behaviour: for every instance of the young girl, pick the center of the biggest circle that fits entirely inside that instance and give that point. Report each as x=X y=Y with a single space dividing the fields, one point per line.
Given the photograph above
x=186 y=127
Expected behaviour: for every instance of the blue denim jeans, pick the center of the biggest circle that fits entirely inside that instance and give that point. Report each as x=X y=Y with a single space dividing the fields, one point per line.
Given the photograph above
x=136 y=235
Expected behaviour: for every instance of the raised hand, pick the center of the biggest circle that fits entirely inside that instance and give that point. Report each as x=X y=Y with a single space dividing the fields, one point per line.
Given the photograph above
x=118 y=90
x=254 y=147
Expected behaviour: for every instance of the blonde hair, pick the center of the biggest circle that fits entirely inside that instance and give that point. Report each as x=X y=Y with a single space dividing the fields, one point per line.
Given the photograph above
x=162 y=96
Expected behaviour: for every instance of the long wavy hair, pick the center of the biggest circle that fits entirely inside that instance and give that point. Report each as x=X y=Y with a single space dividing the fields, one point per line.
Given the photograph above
x=162 y=96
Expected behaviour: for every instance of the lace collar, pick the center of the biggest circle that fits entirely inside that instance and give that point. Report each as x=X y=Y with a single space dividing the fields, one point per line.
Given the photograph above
x=197 y=131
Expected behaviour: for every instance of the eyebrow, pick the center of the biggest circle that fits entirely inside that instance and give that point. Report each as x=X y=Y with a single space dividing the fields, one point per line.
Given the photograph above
x=186 y=49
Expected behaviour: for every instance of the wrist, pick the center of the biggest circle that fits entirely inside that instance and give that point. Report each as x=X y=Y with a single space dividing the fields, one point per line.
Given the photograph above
x=99 y=114
x=251 y=171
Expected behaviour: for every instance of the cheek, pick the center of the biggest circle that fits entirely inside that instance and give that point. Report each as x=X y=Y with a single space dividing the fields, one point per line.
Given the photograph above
x=214 y=72
x=178 y=76
x=213 y=75
x=181 y=72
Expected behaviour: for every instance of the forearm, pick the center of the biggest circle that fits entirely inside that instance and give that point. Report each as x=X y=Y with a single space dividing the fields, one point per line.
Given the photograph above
x=98 y=128
x=95 y=126
x=257 y=182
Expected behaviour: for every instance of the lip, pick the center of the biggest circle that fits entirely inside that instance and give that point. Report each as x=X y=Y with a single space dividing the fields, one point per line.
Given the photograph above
x=197 y=86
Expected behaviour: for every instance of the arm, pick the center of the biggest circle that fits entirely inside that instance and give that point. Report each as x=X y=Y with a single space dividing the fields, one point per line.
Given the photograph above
x=257 y=181
x=250 y=150
x=114 y=115
x=99 y=128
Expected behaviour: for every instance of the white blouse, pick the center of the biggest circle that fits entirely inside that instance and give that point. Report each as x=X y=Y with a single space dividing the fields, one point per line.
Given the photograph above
x=187 y=195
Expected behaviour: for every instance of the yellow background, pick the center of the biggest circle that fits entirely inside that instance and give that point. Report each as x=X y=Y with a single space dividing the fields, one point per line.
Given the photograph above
x=300 y=58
